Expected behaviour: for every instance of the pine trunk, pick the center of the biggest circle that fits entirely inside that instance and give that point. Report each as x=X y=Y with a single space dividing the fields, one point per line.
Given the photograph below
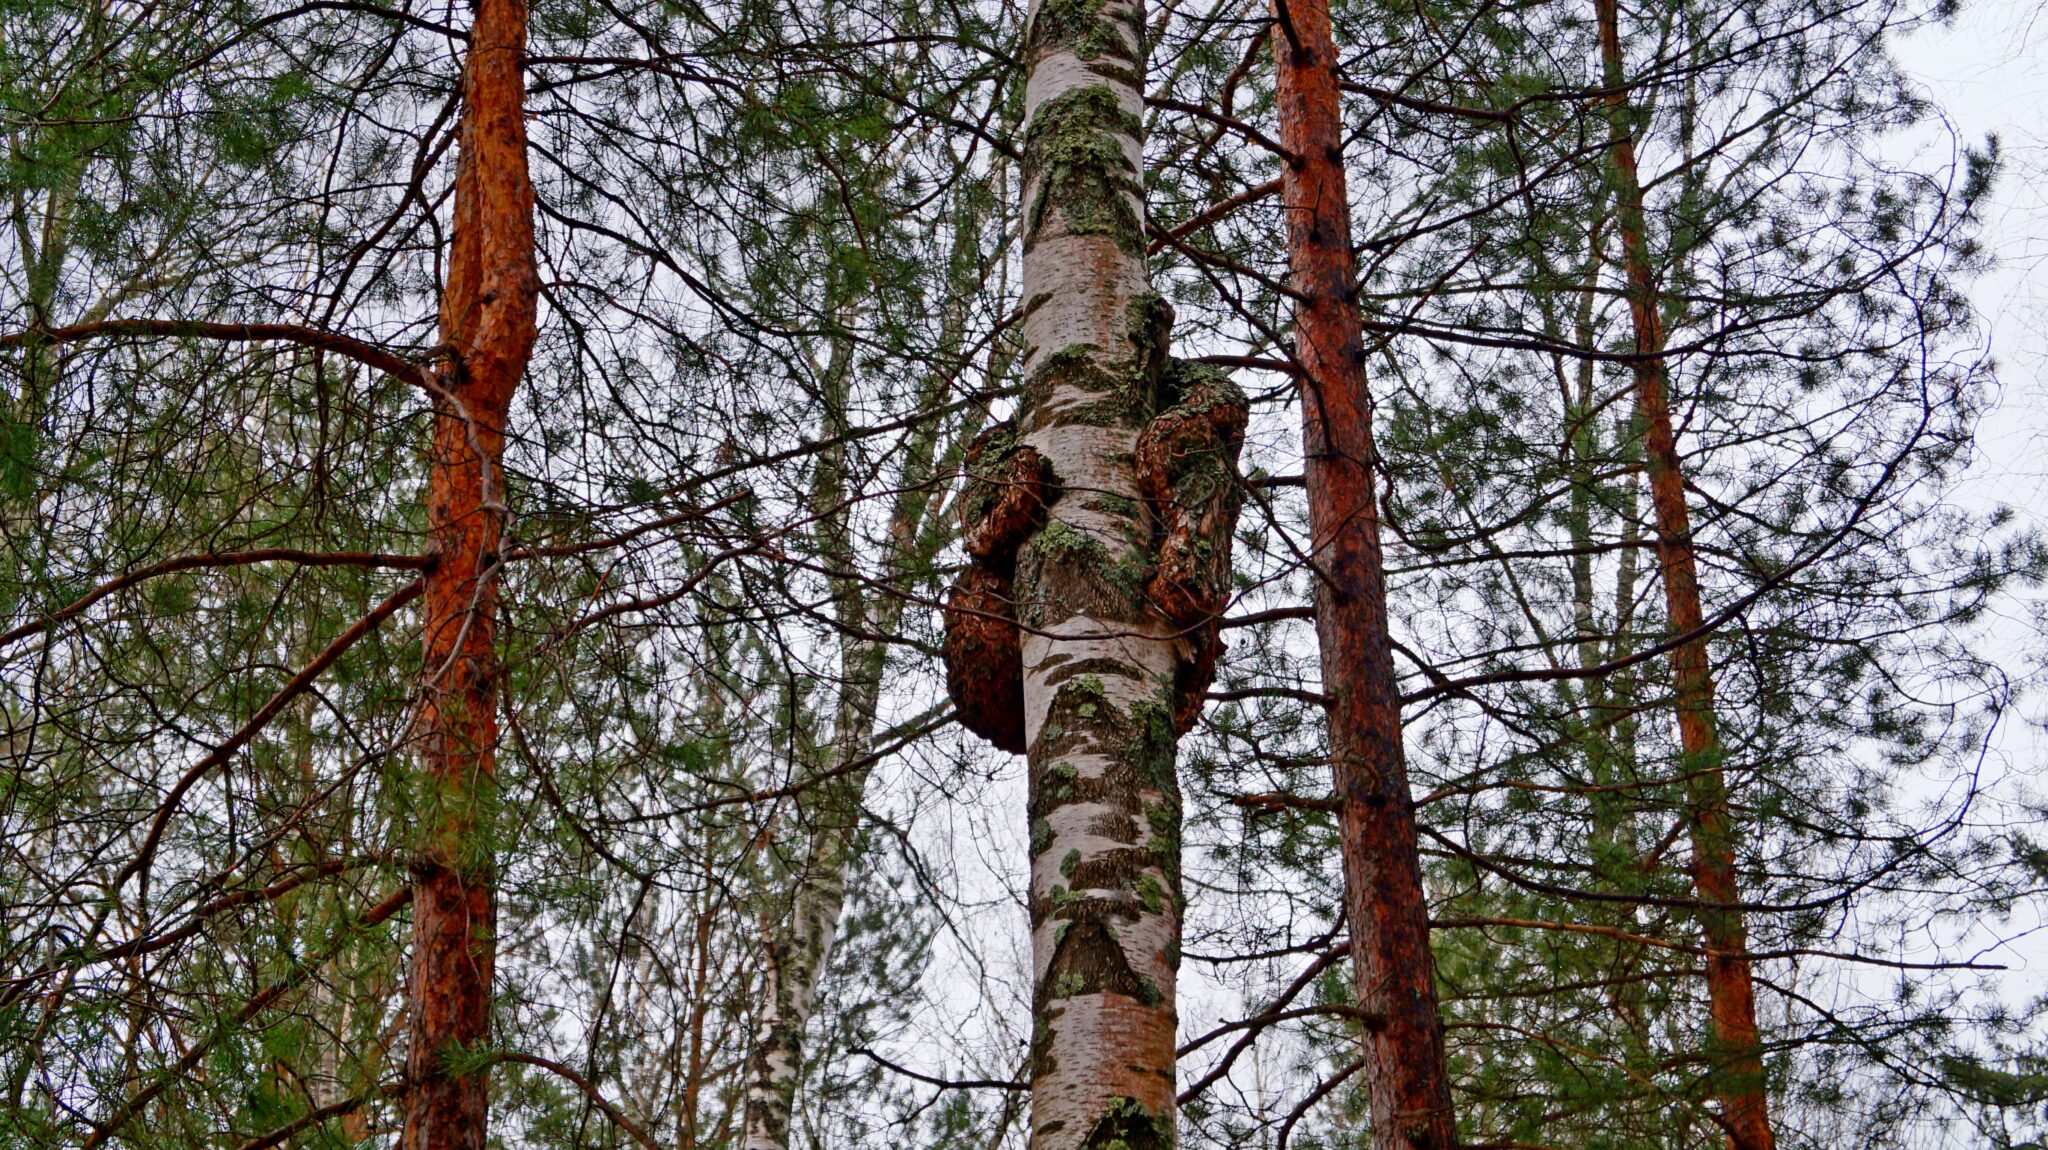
x=488 y=311
x=1737 y=1059
x=1383 y=896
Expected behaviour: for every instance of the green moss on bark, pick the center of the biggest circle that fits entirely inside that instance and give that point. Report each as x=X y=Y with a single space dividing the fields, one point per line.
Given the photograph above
x=1128 y=1124
x=1084 y=27
x=1074 y=154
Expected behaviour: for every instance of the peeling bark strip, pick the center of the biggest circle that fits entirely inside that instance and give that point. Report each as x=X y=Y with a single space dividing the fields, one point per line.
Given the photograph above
x=1737 y=1074
x=488 y=310
x=1101 y=524
x=1383 y=896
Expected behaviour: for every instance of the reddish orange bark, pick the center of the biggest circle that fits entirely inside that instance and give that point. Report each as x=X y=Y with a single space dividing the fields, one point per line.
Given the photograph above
x=488 y=308
x=1383 y=896
x=1738 y=1060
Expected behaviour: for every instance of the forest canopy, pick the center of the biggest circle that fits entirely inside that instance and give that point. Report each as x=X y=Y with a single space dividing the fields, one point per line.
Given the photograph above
x=1101 y=576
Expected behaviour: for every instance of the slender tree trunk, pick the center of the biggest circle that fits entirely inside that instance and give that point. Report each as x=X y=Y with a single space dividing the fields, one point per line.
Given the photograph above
x=1383 y=896
x=488 y=310
x=798 y=945
x=1738 y=1070
x=1103 y=518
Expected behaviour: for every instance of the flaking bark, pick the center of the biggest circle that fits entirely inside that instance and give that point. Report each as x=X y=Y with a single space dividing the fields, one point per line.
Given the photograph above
x=1383 y=897
x=488 y=309
x=1737 y=1074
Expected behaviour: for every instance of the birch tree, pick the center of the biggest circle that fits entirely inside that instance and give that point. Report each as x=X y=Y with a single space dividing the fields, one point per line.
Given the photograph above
x=1099 y=523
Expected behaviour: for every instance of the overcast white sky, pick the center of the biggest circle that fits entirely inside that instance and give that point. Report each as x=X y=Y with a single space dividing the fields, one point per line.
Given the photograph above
x=1989 y=72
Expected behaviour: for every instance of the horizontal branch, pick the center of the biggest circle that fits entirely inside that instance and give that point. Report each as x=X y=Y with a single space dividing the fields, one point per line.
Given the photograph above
x=1418 y=104
x=215 y=559
x=1275 y=615
x=349 y=347
x=1700 y=951
x=1296 y=694
x=943 y=1083
x=1275 y=801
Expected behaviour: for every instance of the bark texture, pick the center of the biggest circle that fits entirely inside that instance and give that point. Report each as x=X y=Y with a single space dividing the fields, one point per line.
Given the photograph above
x=1737 y=1074
x=488 y=308
x=1383 y=895
x=1105 y=669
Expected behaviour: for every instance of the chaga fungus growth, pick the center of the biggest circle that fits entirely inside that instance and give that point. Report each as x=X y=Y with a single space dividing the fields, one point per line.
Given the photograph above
x=1186 y=460
x=1008 y=487
x=1187 y=468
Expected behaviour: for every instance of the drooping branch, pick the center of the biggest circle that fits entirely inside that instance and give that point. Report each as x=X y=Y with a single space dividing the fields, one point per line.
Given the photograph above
x=215 y=559
x=575 y=1078
x=368 y=354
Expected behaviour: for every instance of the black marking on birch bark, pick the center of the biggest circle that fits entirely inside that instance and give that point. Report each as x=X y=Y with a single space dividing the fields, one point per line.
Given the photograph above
x=1128 y=1125
x=1088 y=959
x=1074 y=573
x=1119 y=828
x=1070 y=668
x=1103 y=44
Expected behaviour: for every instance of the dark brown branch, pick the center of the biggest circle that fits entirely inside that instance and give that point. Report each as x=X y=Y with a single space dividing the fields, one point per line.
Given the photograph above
x=1301 y=696
x=213 y=559
x=589 y=1089
x=1275 y=615
x=1222 y=121
x=1213 y=213
x=367 y=354
x=1700 y=951
x=1418 y=104
x=314 y=1118
x=942 y=1083
x=1275 y=801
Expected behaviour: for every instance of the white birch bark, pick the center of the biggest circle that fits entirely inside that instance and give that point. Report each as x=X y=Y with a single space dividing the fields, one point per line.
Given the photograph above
x=797 y=944
x=1098 y=664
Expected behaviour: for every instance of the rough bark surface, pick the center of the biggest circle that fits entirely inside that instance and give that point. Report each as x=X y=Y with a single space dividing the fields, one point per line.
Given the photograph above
x=1101 y=664
x=1383 y=895
x=1737 y=1075
x=488 y=311
x=1187 y=467
x=983 y=676
x=1008 y=485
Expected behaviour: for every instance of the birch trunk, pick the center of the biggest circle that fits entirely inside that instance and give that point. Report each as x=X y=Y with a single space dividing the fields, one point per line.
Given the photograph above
x=1737 y=1069
x=488 y=309
x=797 y=946
x=1084 y=631
x=1383 y=897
